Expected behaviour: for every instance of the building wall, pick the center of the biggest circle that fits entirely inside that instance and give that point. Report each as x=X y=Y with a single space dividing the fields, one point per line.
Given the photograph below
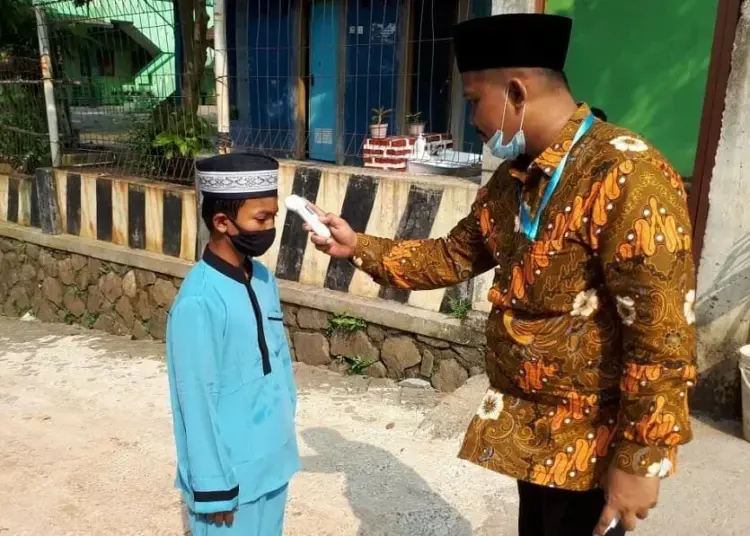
x=645 y=63
x=723 y=305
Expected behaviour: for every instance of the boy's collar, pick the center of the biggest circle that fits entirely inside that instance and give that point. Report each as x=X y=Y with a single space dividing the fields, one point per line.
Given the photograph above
x=223 y=267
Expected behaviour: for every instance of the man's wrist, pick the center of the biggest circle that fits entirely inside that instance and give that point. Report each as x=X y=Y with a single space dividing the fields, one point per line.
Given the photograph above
x=644 y=460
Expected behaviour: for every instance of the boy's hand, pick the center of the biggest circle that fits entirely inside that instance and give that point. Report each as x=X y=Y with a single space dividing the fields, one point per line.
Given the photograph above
x=221 y=518
x=343 y=239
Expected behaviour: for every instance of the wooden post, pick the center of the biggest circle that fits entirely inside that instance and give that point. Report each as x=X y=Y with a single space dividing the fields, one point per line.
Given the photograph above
x=221 y=72
x=49 y=89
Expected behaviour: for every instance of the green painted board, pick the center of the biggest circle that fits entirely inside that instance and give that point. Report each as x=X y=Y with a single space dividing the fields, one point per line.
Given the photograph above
x=645 y=63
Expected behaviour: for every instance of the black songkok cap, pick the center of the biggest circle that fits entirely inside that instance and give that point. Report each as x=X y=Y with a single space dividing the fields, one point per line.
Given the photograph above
x=238 y=176
x=515 y=40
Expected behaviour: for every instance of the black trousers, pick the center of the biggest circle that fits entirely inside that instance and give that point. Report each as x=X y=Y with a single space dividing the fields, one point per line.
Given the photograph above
x=558 y=512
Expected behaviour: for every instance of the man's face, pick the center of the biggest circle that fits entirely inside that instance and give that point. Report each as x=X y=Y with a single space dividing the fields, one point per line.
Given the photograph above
x=486 y=92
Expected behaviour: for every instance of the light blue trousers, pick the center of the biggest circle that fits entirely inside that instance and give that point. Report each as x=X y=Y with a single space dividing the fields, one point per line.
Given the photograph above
x=264 y=517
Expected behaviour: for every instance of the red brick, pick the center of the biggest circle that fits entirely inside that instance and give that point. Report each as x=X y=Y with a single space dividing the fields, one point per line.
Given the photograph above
x=374 y=152
x=388 y=160
x=398 y=152
x=377 y=141
x=400 y=142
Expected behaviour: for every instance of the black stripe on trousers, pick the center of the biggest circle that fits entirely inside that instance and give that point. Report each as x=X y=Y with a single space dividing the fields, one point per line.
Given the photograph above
x=136 y=217
x=356 y=210
x=294 y=238
x=73 y=204
x=172 y=224
x=416 y=223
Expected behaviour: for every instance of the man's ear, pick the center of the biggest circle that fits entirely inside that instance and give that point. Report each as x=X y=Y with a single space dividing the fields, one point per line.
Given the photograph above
x=221 y=222
x=517 y=93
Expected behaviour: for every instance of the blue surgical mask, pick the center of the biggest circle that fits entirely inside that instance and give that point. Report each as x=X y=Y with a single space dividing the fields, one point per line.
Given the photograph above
x=517 y=144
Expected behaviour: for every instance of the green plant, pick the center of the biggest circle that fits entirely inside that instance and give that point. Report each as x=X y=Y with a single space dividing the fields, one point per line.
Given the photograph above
x=69 y=318
x=169 y=134
x=90 y=319
x=380 y=115
x=459 y=308
x=183 y=135
x=356 y=365
x=346 y=324
x=414 y=119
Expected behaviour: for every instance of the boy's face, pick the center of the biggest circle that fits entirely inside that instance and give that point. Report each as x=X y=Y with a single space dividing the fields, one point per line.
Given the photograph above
x=253 y=215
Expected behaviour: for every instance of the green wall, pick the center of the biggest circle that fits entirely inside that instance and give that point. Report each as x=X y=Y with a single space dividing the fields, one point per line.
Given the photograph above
x=645 y=63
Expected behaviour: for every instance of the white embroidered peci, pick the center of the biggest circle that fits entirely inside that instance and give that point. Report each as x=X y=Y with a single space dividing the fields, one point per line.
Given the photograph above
x=585 y=304
x=629 y=144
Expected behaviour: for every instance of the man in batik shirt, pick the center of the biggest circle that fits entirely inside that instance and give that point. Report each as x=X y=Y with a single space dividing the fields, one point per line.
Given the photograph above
x=590 y=342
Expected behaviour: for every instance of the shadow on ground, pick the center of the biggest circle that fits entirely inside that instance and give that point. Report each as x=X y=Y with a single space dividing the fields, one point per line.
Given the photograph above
x=376 y=484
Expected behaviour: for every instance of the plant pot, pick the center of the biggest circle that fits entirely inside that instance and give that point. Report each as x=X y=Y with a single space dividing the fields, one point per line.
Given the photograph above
x=416 y=129
x=379 y=131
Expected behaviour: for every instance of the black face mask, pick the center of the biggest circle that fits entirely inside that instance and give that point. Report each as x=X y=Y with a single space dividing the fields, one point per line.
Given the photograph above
x=252 y=243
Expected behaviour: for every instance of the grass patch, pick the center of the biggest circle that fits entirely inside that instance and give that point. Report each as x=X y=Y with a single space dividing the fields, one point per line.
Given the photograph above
x=459 y=308
x=346 y=324
x=355 y=365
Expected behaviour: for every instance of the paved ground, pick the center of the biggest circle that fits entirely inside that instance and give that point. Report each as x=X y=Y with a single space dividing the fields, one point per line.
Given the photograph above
x=86 y=448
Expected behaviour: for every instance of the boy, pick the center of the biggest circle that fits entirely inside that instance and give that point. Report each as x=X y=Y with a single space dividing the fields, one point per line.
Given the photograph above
x=230 y=372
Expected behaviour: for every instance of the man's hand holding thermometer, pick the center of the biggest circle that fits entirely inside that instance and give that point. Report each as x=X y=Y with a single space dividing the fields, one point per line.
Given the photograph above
x=331 y=234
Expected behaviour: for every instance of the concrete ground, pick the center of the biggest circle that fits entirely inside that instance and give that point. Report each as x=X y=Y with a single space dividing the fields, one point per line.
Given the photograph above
x=86 y=448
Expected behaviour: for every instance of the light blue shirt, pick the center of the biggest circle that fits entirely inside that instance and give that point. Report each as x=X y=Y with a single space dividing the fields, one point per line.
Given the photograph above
x=231 y=386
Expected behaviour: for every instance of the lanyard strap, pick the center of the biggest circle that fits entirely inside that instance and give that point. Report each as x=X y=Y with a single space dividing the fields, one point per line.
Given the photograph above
x=529 y=226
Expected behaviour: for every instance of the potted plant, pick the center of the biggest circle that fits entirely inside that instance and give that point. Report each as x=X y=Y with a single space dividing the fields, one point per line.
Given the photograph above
x=379 y=126
x=416 y=125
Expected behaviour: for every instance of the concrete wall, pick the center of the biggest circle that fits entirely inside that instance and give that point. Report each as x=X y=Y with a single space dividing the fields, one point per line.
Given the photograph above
x=723 y=306
x=162 y=218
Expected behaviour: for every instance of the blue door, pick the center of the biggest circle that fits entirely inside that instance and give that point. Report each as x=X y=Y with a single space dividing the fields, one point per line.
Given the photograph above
x=324 y=61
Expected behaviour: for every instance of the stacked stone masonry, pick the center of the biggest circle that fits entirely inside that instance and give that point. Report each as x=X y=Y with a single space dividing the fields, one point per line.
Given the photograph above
x=57 y=286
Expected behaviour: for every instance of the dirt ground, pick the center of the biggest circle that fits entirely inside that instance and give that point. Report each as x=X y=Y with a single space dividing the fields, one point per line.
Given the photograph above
x=86 y=449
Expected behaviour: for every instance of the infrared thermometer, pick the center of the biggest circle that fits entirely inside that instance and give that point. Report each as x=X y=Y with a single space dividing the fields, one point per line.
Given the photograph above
x=299 y=205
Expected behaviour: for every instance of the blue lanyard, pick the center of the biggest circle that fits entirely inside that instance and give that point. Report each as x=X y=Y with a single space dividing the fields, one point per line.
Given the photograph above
x=528 y=226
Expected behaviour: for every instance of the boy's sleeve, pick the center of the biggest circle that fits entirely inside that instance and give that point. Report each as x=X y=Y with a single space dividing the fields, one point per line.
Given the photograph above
x=285 y=354
x=196 y=381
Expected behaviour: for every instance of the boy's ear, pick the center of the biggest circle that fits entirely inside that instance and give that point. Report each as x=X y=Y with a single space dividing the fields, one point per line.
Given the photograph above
x=220 y=222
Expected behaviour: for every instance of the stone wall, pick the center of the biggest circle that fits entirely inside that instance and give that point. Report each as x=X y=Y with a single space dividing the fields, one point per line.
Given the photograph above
x=58 y=286
x=393 y=353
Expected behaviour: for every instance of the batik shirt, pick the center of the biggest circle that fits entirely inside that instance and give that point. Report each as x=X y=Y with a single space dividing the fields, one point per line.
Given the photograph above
x=590 y=340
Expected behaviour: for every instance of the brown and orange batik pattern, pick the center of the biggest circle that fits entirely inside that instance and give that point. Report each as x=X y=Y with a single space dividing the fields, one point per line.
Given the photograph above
x=591 y=342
